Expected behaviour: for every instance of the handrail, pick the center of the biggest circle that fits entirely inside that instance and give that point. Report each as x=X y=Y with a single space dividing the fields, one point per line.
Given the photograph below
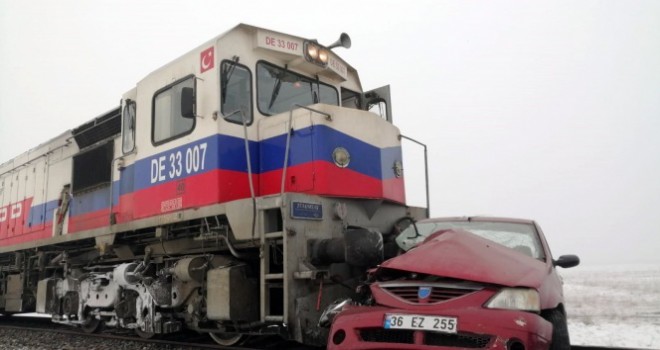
x=426 y=173
x=250 y=180
x=248 y=159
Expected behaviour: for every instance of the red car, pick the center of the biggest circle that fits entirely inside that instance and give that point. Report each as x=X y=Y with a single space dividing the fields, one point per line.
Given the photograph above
x=468 y=283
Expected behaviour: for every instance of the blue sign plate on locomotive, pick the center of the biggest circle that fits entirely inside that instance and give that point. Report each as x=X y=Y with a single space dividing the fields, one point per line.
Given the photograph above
x=309 y=211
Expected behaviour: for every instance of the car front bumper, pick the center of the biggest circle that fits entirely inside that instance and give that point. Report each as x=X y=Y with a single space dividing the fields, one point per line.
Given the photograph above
x=362 y=327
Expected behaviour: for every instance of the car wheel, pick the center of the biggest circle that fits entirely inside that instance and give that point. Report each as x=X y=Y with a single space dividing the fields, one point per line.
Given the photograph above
x=560 y=339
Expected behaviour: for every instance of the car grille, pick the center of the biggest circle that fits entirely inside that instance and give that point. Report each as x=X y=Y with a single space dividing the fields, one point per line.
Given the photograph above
x=402 y=336
x=410 y=293
x=461 y=340
x=381 y=335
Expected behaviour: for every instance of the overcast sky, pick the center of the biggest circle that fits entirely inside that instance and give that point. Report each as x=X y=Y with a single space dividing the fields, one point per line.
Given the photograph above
x=542 y=110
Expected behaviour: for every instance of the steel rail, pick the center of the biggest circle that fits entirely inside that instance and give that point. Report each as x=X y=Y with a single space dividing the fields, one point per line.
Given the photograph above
x=48 y=327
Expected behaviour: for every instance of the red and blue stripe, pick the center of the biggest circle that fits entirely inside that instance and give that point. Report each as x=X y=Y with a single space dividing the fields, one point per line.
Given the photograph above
x=223 y=177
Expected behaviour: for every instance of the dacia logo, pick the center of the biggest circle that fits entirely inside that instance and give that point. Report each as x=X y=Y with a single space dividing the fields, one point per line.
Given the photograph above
x=424 y=292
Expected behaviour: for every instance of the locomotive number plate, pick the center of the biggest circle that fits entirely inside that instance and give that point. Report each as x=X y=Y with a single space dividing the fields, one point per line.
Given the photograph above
x=308 y=211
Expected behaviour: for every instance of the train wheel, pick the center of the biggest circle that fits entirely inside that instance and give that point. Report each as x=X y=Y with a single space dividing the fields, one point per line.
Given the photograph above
x=92 y=325
x=144 y=335
x=228 y=339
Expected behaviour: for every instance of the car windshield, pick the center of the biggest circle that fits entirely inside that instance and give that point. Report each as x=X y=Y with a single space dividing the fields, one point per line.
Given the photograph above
x=521 y=237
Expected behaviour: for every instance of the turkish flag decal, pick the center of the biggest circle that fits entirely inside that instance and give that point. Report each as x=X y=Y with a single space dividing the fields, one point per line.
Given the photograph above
x=206 y=60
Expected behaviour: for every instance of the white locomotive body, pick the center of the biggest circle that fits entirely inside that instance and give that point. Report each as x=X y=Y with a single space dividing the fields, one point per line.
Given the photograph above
x=237 y=190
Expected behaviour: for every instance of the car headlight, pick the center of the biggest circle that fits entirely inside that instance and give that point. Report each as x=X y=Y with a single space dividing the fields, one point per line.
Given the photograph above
x=524 y=299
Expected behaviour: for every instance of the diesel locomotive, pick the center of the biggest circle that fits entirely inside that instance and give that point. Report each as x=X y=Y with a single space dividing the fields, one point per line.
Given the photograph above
x=238 y=190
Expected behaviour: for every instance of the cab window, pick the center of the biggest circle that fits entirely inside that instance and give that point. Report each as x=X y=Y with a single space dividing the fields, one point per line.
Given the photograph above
x=168 y=123
x=128 y=127
x=279 y=90
x=236 y=92
x=350 y=99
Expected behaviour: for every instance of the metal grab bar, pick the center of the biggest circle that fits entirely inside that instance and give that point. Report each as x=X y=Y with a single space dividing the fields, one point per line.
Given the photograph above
x=426 y=173
x=248 y=160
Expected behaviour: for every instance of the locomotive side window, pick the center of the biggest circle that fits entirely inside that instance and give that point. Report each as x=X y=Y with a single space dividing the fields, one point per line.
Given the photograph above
x=168 y=122
x=350 y=99
x=236 y=92
x=128 y=127
x=278 y=90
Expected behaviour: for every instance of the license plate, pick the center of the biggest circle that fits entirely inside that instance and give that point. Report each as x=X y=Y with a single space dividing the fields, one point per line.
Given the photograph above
x=421 y=322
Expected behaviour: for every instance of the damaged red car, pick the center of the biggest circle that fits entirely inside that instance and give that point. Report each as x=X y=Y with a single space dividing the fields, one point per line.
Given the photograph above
x=459 y=283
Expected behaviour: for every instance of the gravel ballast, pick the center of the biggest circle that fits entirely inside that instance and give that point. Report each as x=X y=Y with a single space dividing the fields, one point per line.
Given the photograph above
x=24 y=339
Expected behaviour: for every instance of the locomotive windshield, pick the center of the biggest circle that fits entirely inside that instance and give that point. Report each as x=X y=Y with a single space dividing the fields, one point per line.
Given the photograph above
x=278 y=90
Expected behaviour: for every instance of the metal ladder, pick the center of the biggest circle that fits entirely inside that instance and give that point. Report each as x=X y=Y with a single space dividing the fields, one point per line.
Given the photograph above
x=272 y=279
x=274 y=238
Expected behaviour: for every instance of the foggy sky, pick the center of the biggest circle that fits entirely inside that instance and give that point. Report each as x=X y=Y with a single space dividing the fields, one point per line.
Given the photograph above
x=541 y=110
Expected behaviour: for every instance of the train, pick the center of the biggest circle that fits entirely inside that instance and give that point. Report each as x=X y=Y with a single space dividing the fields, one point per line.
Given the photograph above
x=237 y=191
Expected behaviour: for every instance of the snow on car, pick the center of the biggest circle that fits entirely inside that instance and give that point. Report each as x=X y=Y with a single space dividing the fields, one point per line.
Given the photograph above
x=471 y=282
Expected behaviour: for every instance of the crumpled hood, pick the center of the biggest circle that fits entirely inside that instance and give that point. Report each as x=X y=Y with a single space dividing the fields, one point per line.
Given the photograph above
x=462 y=255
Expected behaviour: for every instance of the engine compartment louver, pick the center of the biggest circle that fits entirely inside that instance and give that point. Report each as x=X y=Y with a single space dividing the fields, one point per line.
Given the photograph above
x=99 y=129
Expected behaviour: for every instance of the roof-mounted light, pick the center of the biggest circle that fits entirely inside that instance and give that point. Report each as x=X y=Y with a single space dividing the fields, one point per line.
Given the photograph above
x=323 y=56
x=316 y=53
x=313 y=51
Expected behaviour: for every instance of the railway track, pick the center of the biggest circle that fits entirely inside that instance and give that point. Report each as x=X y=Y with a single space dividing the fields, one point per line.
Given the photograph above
x=188 y=341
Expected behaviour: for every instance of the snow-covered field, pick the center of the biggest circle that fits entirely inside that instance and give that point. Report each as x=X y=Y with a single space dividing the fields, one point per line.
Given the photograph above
x=614 y=305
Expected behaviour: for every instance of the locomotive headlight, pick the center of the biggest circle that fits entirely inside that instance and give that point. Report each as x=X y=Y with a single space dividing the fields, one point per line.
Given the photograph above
x=323 y=56
x=312 y=51
x=341 y=157
x=315 y=53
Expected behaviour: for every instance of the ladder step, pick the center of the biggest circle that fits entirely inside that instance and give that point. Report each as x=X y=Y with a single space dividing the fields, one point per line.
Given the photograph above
x=274 y=276
x=273 y=202
x=274 y=318
x=271 y=235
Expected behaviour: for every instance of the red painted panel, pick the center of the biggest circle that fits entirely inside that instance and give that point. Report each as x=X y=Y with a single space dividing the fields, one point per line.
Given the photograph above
x=45 y=232
x=88 y=221
x=13 y=218
x=331 y=180
x=393 y=189
x=300 y=178
x=191 y=192
x=125 y=208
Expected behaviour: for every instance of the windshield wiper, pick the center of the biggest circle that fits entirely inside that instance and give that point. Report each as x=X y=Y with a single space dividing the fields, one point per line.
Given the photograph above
x=226 y=75
x=315 y=96
x=276 y=91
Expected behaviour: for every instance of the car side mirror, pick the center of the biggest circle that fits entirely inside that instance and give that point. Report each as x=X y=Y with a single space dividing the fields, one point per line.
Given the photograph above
x=566 y=261
x=188 y=102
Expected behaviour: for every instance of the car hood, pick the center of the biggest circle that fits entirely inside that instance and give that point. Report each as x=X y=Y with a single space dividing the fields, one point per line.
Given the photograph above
x=463 y=255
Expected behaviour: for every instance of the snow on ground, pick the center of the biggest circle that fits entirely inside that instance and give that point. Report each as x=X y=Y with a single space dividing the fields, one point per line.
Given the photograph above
x=614 y=305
